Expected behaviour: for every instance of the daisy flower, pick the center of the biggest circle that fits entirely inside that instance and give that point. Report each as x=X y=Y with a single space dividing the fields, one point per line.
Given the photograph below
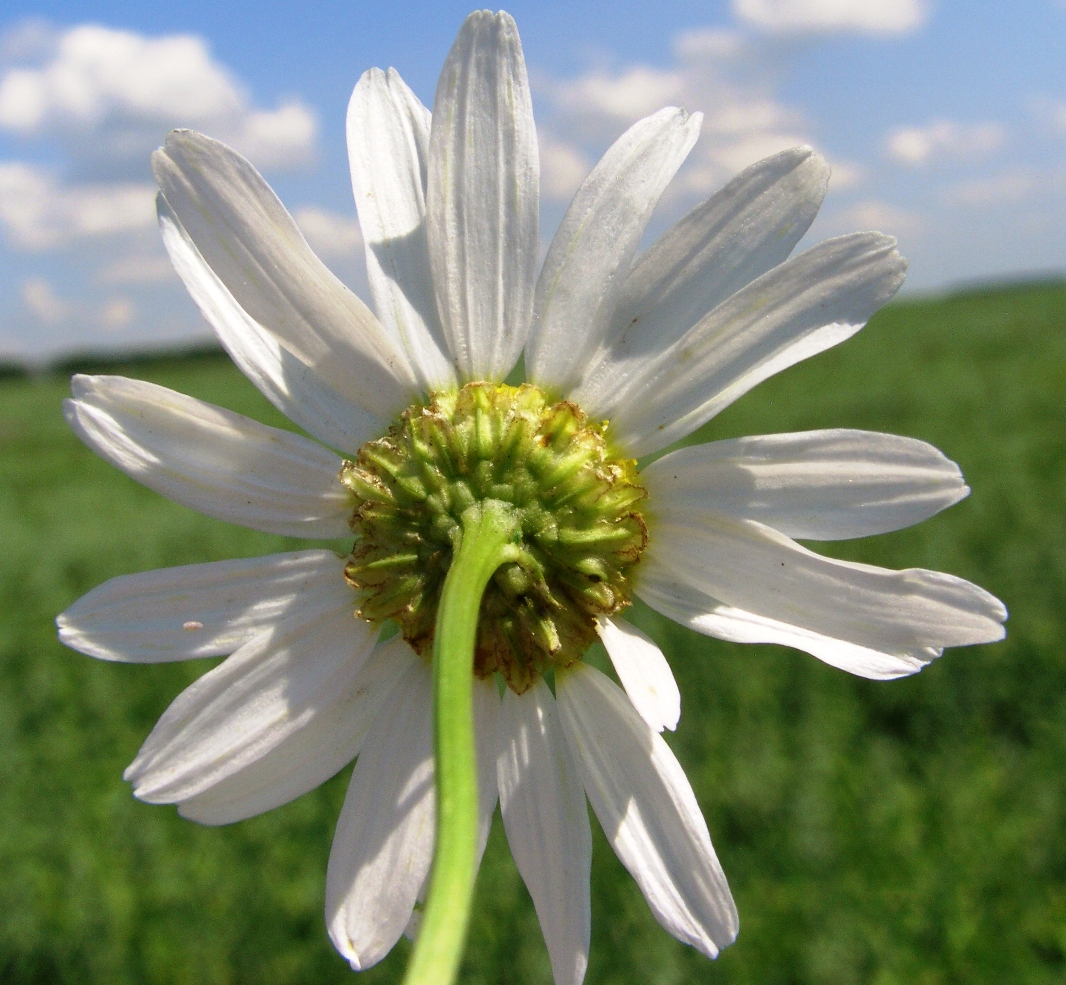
x=420 y=447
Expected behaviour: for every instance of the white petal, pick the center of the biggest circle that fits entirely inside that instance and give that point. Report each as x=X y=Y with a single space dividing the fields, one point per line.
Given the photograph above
x=272 y=687
x=482 y=197
x=486 y=724
x=815 y=485
x=256 y=250
x=292 y=386
x=486 y=740
x=738 y=234
x=388 y=151
x=309 y=756
x=383 y=845
x=805 y=306
x=200 y=610
x=910 y=613
x=547 y=824
x=583 y=273
x=647 y=809
x=699 y=611
x=218 y=462
x=644 y=673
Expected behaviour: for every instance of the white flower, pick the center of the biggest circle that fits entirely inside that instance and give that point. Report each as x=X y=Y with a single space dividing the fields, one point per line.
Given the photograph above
x=656 y=344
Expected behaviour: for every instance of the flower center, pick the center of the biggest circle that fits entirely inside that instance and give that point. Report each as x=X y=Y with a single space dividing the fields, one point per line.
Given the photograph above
x=576 y=506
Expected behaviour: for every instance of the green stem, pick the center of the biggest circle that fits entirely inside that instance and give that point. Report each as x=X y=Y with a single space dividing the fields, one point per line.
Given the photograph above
x=489 y=530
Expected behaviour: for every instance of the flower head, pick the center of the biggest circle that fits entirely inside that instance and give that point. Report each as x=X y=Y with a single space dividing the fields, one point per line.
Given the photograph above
x=624 y=355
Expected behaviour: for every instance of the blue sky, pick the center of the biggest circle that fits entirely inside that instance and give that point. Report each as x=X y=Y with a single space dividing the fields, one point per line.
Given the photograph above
x=945 y=123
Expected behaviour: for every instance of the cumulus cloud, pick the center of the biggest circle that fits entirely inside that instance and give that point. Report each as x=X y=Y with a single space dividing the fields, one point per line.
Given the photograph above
x=847 y=175
x=729 y=76
x=626 y=95
x=38 y=212
x=138 y=268
x=29 y=39
x=1002 y=189
x=562 y=167
x=1058 y=116
x=944 y=139
x=112 y=95
x=41 y=301
x=47 y=308
x=116 y=314
x=877 y=215
x=331 y=235
x=1050 y=113
x=867 y=16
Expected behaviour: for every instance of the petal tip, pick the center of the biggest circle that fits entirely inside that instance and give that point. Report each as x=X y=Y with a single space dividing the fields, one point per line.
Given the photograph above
x=70 y=412
x=81 y=384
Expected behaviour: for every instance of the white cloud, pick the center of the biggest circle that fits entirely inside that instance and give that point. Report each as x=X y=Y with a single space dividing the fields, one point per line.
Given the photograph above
x=94 y=102
x=846 y=175
x=944 y=139
x=278 y=138
x=868 y=16
x=97 y=73
x=113 y=93
x=1003 y=189
x=562 y=168
x=331 y=236
x=116 y=314
x=1058 y=115
x=880 y=216
x=138 y=268
x=37 y=212
x=1051 y=113
x=41 y=301
x=33 y=39
x=635 y=92
x=730 y=77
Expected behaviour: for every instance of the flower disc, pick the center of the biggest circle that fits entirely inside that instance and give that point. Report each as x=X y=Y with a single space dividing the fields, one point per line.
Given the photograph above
x=576 y=506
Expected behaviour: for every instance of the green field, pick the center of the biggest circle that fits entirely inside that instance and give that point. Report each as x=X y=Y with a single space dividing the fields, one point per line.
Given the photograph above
x=905 y=832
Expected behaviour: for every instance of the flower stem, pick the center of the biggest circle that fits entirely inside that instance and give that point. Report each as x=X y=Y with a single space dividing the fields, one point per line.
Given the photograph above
x=489 y=531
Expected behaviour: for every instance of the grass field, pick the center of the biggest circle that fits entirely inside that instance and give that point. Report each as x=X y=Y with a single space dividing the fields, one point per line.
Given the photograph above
x=906 y=832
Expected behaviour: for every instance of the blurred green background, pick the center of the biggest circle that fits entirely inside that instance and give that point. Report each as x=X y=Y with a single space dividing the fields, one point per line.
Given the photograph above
x=904 y=832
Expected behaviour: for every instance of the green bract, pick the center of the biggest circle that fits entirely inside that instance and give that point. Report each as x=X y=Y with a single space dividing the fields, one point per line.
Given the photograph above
x=579 y=528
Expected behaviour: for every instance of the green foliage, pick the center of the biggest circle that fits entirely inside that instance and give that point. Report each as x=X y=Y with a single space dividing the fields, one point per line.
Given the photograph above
x=906 y=832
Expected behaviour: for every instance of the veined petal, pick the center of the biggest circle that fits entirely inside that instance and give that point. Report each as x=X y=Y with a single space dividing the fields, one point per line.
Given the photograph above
x=274 y=686
x=482 y=198
x=690 y=607
x=647 y=809
x=547 y=824
x=814 y=485
x=583 y=273
x=738 y=234
x=201 y=610
x=295 y=388
x=308 y=756
x=800 y=308
x=486 y=725
x=388 y=151
x=252 y=244
x=644 y=673
x=744 y=564
x=223 y=464
x=486 y=741
x=383 y=845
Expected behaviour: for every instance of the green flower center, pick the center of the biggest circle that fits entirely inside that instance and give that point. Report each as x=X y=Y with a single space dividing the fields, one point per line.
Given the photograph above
x=576 y=508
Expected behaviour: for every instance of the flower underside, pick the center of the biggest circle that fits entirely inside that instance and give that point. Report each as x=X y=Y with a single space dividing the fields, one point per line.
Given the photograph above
x=575 y=509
